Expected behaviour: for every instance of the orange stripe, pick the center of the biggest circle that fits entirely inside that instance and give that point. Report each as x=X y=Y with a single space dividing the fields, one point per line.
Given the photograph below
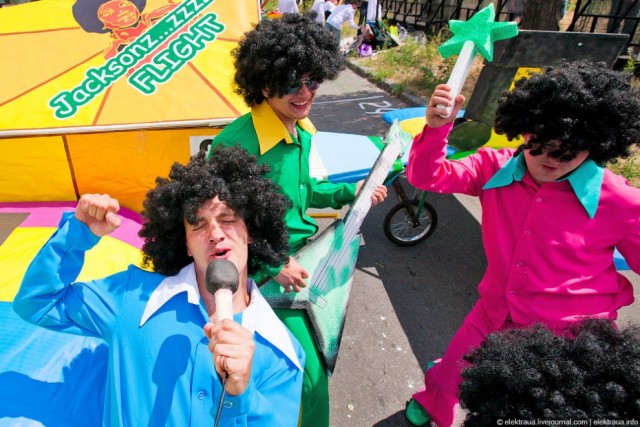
x=50 y=79
x=102 y=104
x=73 y=175
x=213 y=88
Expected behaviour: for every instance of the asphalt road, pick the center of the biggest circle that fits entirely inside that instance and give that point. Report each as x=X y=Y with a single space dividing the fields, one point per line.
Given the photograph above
x=406 y=302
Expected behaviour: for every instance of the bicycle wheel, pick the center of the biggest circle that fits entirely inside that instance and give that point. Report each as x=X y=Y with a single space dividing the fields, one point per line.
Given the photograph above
x=399 y=228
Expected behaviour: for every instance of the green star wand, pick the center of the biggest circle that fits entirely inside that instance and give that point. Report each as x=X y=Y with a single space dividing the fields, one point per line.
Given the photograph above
x=476 y=35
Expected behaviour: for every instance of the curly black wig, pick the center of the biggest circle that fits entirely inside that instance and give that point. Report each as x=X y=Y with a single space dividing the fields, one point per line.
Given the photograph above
x=585 y=105
x=278 y=52
x=234 y=177
x=533 y=374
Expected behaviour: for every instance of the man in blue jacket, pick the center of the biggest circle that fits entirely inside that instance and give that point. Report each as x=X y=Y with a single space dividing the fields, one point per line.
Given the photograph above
x=167 y=356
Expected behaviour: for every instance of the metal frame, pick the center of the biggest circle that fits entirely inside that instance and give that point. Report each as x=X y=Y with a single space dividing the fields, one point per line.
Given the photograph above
x=431 y=16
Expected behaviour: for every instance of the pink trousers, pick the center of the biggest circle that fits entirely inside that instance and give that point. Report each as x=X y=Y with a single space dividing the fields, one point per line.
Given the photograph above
x=440 y=394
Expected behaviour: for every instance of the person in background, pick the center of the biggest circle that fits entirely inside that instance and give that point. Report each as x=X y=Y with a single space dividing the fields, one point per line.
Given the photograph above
x=329 y=6
x=532 y=374
x=552 y=214
x=287 y=6
x=280 y=65
x=341 y=14
x=318 y=8
x=364 y=4
x=166 y=357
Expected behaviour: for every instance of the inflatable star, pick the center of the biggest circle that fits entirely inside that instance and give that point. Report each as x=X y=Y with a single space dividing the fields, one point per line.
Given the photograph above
x=482 y=30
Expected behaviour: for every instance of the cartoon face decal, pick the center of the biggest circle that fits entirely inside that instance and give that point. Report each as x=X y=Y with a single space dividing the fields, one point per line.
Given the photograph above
x=117 y=14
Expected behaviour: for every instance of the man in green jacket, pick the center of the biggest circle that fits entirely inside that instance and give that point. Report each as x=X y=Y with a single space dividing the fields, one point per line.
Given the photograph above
x=279 y=67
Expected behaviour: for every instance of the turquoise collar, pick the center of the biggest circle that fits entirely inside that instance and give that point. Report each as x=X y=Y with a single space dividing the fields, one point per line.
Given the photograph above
x=585 y=180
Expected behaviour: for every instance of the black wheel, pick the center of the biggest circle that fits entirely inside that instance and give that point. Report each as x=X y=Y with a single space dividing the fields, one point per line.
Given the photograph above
x=399 y=228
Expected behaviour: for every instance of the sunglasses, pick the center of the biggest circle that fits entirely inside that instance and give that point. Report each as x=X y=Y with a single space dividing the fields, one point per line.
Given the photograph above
x=309 y=83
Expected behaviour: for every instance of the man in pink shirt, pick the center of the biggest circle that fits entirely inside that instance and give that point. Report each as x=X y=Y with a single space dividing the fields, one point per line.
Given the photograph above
x=552 y=215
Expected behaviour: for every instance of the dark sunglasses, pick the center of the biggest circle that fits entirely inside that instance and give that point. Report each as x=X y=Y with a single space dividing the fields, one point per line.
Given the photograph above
x=309 y=83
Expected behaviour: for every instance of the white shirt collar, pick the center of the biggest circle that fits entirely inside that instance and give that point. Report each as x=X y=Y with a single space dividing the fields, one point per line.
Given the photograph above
x=257 y=317
x=184 y=281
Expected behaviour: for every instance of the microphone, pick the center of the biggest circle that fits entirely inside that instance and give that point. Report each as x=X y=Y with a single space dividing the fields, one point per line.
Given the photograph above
x=222 y=282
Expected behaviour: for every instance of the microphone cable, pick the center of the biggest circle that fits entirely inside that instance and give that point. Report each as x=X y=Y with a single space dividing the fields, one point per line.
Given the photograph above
x=224 y=384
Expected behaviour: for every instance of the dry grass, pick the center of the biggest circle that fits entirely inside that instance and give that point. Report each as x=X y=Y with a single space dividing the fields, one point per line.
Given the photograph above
x=416 y=67
x=629 y=167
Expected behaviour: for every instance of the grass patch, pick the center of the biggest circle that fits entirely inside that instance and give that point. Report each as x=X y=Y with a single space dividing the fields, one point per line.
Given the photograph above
x=416 y=66
x=629 y=167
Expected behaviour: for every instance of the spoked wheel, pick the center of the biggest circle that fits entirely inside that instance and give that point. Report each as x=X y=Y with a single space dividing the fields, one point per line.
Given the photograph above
x=399 y=228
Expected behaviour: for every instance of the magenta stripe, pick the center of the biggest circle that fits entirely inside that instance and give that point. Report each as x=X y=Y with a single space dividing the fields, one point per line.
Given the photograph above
x=48 y=214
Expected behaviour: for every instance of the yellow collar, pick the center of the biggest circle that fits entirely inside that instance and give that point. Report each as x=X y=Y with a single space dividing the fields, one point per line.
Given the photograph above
x=270 y=129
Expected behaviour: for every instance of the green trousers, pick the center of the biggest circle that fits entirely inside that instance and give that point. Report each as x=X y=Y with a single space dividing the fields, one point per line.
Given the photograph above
x=315 y=384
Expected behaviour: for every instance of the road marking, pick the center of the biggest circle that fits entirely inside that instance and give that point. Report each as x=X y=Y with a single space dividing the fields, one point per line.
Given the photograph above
x=347 y=100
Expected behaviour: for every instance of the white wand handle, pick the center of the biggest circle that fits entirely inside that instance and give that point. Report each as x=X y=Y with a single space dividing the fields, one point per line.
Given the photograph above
x=460 y=71
x=224 y=304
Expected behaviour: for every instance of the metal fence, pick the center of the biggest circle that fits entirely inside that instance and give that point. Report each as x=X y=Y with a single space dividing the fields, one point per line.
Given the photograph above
x=609 y=16
x=431 y=16
x=595 y=16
